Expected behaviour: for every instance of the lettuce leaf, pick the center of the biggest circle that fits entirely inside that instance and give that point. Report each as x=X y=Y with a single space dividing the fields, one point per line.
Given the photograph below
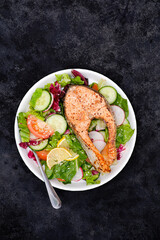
x=36 y=114
x=66 y=171
x=106 y=135
x=63 y=79
x=92 y=125
x=124 y=133
x=54 y=139
x=121 y=102
x=47 y=86
x=77 y=80
x=90 y=178
x=23 y=129
x=49 y=172
x=35 y=96
x=75 y=145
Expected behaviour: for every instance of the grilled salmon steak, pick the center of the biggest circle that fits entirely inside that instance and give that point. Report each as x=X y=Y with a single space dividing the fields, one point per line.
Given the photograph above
x=82 y=104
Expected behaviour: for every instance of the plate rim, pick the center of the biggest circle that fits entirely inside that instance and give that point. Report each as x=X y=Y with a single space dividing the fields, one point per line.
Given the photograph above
x=54 y=181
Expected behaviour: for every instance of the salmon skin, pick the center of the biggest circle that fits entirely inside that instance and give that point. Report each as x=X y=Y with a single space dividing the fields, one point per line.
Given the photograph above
x=82 y=104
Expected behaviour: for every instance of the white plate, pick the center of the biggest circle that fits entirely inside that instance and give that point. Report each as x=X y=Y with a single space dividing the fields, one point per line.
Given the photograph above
x=81 y=185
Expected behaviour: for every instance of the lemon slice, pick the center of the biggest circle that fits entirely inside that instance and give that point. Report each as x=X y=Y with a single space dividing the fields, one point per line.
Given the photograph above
x=56 y=156
x=73 y=157
x=62 y=143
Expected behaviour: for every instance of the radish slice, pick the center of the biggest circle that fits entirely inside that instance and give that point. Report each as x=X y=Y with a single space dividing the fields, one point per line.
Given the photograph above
x=99 y=144
x=95 y=136
x=78 y=176
x=119 y=114
x=34 y=138
x=50 y=103
x=101 y=125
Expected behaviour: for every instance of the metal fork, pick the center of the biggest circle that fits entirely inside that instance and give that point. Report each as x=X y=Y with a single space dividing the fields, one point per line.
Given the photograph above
x=54 y=199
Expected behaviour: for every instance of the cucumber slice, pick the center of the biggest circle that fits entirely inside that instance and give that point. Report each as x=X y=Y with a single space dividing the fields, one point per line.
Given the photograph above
x=40 y=146
x=43 y=101
x=58 y=123
x=109 y=93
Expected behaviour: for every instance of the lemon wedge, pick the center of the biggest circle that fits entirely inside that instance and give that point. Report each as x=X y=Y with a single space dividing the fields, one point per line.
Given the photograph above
x=57 y=155
x=62 y=143
x=73 y=157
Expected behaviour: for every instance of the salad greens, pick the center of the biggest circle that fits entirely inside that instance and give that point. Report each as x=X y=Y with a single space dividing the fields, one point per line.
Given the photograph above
x=75 y=145
x=121 y=102
x=106 y=135
x=35 y=113
x=47 y=86
x=124 y=133
x=35 y=96
x=23 y=129
x=54 y=139
x=87 y=174
x=77 y=80
x=90 y=178
x=63 y=79
x=93 y=125
x=67 y=170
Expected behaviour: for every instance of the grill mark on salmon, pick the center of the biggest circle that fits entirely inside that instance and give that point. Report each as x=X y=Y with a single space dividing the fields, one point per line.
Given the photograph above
x=82 y=104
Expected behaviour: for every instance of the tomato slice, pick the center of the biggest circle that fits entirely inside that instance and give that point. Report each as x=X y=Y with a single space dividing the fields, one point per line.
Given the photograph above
x=42 y=154
x=60 y=179
x=39 y=128
x=95 y=86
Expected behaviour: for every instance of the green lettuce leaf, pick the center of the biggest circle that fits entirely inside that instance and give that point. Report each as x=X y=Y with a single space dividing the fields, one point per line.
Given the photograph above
x=36 y=114
x=65 y=170
x=51 y=110
x=47 y=86
x=61 y=109
x=124 y=133
x=75 y=145
x=91 y=179
x=92 y=125
x=35 y=96
x=54 y=139
x=49 y=172
x=121 y=102
x=63 y=79
x=23 y=129
x=106 y=135
x=86 y=166
x=77 y=80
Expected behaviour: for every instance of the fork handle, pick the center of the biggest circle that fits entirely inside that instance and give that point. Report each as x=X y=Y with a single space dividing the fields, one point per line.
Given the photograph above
x=54 y=199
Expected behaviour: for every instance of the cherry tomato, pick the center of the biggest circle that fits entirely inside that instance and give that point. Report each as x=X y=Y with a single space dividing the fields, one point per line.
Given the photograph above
x=38 y=127
x=95 y=86
x=42 y=154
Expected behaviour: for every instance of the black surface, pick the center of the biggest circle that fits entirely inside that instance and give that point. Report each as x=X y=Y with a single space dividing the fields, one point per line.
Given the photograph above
x=119 y=39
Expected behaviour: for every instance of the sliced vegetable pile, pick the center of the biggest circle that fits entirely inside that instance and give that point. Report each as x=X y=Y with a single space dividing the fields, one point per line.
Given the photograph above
x=44 y=129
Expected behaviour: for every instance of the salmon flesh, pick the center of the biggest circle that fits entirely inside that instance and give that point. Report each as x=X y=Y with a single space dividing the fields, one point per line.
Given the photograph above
x=82 y=104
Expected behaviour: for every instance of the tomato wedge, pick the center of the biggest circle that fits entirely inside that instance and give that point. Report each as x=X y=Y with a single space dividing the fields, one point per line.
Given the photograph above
x=95 y=86
x=60 y=179
x=42 y=154
x=39 y=128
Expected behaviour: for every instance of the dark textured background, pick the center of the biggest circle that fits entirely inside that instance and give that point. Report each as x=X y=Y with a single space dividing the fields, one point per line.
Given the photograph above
x=119 y=39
